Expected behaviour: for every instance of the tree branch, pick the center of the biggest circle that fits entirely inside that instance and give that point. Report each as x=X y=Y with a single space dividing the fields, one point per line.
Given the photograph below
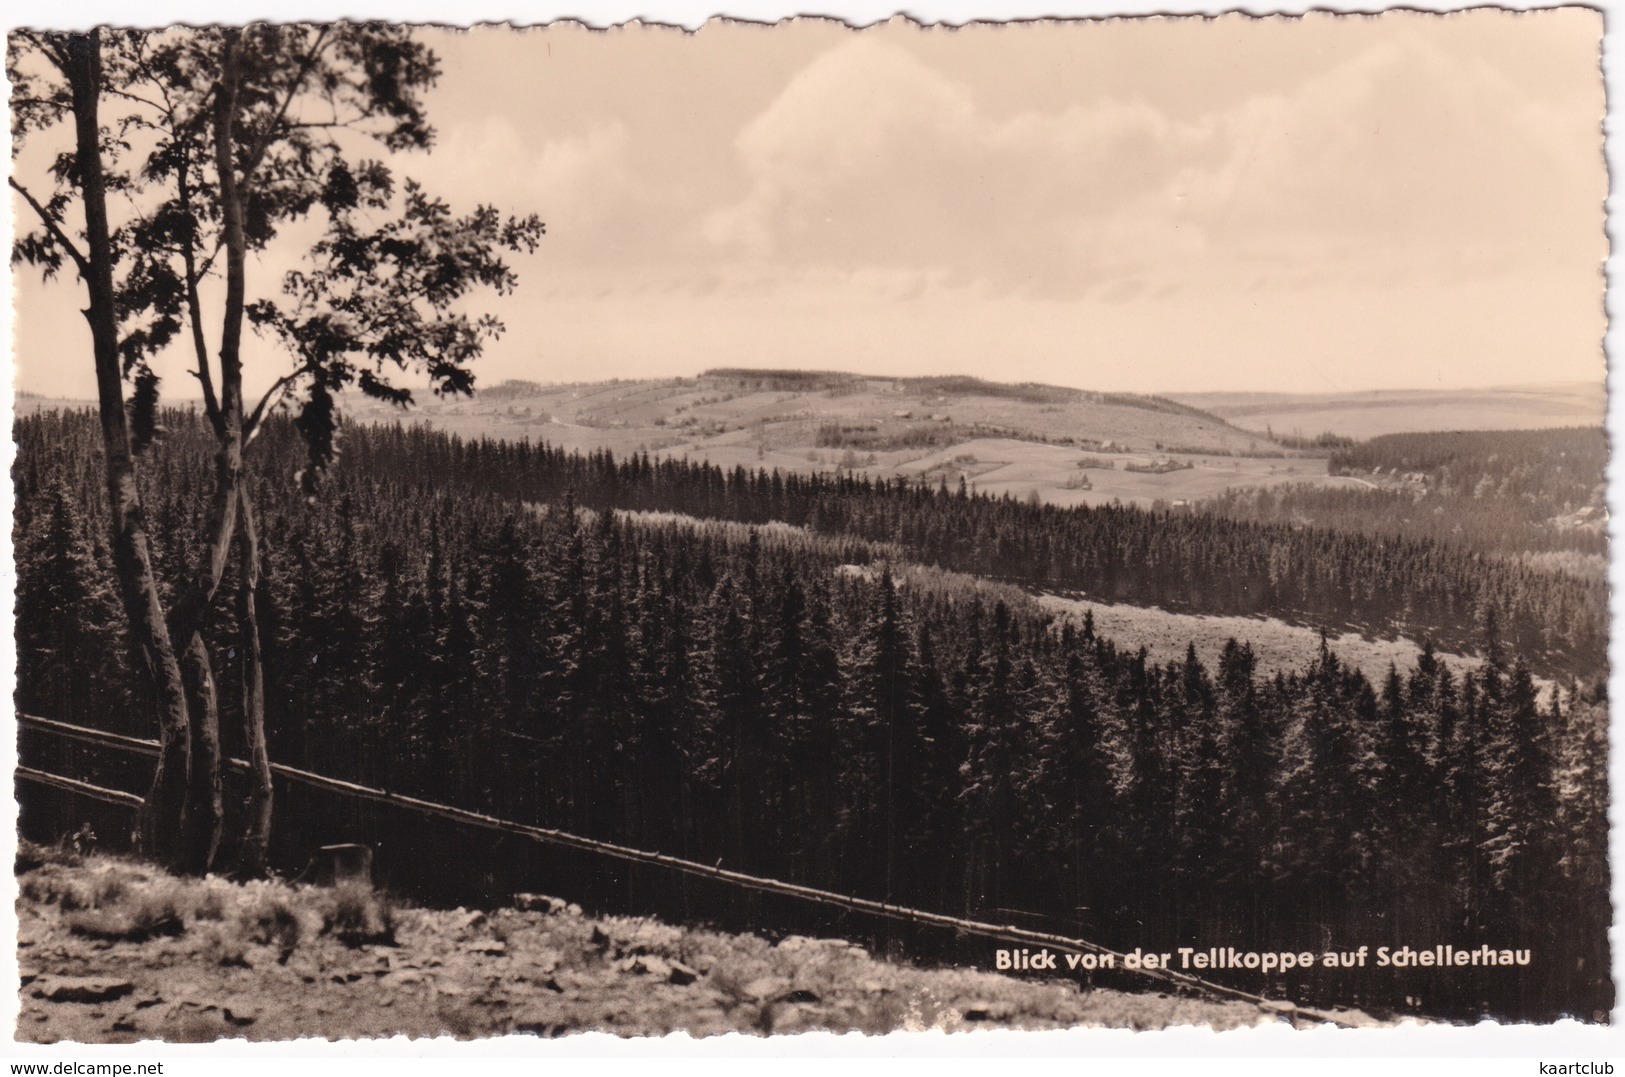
x=127 y=95
x=258 y=152
x=57 y=53
x=311 y=125
x=194 y=309
x=53 y=227
x=20 y=102
x=275 y=391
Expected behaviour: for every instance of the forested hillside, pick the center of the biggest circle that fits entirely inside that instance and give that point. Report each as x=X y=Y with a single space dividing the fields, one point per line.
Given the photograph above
x=445 y=620
x=1183 y=561
x=1555 y=465
x=1497 y=491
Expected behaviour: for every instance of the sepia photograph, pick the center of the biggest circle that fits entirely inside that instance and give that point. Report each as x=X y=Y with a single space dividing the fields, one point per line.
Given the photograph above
x=789 y=527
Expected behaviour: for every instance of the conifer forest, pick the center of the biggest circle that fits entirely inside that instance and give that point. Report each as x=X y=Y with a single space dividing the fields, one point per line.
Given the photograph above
x=845 y=682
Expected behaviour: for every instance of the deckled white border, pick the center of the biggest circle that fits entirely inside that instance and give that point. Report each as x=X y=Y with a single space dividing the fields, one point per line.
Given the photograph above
x=1492 y=1049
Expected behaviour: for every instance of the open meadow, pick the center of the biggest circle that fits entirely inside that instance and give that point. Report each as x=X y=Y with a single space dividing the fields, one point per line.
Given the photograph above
x=1278 y=646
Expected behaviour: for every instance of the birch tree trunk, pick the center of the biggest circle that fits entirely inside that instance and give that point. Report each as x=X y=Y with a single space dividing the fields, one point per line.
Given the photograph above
x=162 y=831
x=257 y=833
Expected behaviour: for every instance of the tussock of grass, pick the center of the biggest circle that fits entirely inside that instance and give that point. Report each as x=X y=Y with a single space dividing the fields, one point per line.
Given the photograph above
x=108 y=892
x=50 y=888
x=210 y=906
x=124 y=904
x=272 y=921
x=357 y=915
x=32 y=857
x=137 y=921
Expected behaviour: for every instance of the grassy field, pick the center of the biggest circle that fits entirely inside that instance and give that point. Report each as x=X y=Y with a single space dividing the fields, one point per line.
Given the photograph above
x=1365 y=415
x=115 y=951
x=624 y=415
x=1023 y=469
x=1277 y=644
x=707 y=407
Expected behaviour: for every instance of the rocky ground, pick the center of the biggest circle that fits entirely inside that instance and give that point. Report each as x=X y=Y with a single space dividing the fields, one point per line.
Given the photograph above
x=115 y=951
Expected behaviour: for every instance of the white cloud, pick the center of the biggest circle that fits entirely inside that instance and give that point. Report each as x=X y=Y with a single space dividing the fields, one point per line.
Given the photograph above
x=1401 y=160
x=616 y=219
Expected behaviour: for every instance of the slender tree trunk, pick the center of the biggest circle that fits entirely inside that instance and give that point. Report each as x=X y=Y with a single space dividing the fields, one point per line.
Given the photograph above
x=236 y=250
x=205 y=802
x=205 y=818
x=194 y=306
x=161 y=816
x=257 y=836
x=230 y=469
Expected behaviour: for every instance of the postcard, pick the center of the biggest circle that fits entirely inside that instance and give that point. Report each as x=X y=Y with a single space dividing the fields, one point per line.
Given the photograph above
x=790 y=527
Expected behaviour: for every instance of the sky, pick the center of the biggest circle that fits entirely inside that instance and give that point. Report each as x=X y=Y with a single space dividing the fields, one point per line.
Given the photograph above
x=1306 y=204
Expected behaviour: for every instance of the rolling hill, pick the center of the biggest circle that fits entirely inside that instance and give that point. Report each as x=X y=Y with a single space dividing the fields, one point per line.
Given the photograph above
x=1063 y=446
x=1364 y=415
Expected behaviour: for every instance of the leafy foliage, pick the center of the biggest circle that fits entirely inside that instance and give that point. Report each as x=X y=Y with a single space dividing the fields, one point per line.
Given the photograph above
x=302 y=102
